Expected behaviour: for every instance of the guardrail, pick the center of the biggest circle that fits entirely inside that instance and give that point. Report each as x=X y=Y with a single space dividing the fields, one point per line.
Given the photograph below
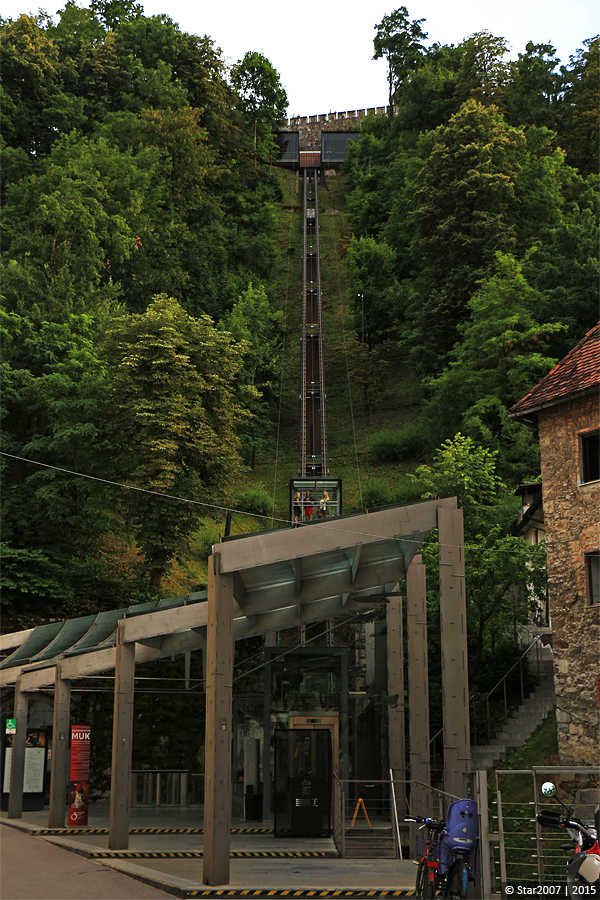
x=159 y=787
x=502 y=683
x=524 y=852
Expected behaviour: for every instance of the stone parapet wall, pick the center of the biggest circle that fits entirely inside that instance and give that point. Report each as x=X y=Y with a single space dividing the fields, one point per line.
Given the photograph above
x=310 y=127
x=571 y=512
x=352 y=116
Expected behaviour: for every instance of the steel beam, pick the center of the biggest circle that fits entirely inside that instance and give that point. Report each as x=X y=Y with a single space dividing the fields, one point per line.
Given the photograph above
x=14 y=639
x=219 y=676
x=418 y=687
x=120 y=778
x=328 y=535
x=455 y=678
x=165 y=621
x=17 y=771
x=325 y=586
x=395 y=685
x=59 y=770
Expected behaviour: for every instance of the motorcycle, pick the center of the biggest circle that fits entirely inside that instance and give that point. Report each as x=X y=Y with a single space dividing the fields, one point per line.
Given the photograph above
x=583 y=869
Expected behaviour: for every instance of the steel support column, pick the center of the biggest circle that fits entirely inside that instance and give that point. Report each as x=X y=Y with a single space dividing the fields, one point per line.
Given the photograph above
x=418 y=687
x=120 y=779
x=455 y=679
x=395 y=686
x=219 y=676
x=59 y=771
x=17 y=770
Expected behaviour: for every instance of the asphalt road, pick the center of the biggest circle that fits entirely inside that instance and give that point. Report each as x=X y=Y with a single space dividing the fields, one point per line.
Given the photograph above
x=33 y=869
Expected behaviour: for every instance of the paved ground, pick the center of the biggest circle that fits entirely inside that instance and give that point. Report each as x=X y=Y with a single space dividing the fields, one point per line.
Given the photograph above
x=32 y=869
x=181 y=876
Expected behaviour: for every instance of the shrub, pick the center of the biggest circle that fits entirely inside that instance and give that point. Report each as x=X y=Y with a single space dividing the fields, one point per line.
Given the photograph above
x=407 y=491
x=408 y=441
x=255 y=499
x=376 y=493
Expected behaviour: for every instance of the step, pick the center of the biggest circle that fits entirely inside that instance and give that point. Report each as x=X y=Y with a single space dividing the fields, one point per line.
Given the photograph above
x=358 y=853
x=369 y=848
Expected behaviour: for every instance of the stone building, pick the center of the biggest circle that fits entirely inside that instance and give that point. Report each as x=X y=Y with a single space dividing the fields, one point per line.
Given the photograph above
x=565 y=405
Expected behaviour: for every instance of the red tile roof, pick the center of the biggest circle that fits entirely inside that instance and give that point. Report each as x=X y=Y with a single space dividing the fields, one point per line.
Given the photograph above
x=577 y=373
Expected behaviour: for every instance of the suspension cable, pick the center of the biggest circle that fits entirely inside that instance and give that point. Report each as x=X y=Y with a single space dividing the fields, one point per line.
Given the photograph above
x=283 y=348
x=345 y=344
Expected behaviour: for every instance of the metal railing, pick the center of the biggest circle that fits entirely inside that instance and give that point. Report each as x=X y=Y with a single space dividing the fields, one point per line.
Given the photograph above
x=395 y=825
x=374 y=805
x=524 y=852
x=159 y=787
x=503 y=682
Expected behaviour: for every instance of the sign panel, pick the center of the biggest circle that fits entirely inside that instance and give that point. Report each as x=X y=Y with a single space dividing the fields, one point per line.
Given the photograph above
x=79 y=777
x=33 y=778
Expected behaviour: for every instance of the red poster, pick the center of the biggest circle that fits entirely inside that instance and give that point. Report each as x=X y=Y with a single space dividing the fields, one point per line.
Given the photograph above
x=79 y=777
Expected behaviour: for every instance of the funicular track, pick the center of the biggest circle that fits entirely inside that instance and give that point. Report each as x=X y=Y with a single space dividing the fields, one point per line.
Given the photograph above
x=313 y=418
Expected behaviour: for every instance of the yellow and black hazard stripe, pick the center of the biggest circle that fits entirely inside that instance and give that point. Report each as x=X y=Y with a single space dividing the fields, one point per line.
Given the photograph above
x=146 y=854
x=278 y=854
x=198 y=854
x=43 y=831
x=166 y=831
x=252 y=830
x=328 y=893
x=86 y=830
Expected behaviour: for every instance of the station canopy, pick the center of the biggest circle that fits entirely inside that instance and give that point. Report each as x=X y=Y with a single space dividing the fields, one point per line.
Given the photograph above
x=281 y=579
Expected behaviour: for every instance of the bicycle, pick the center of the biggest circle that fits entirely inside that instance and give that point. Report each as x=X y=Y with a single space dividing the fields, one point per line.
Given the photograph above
x=448 y=855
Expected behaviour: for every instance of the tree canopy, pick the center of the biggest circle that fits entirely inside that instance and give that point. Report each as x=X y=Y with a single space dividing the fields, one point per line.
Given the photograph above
x=136 y=227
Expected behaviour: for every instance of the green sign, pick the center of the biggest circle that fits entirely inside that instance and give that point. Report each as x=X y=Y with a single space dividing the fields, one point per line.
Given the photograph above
x=11 y=726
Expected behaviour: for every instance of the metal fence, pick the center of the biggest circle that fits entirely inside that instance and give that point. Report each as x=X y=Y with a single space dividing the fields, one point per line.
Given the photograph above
x=524 y=853
x=159 y=787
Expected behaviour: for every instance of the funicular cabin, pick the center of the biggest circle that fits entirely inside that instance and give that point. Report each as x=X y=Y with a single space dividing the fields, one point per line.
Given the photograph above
x=313 y=498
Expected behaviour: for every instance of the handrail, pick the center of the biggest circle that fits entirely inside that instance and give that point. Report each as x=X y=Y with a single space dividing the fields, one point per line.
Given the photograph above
x=487 y=696
x=525 y=652
x=396 y=826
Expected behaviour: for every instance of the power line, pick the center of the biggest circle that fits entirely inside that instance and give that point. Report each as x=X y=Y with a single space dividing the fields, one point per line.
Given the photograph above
x=332 y=525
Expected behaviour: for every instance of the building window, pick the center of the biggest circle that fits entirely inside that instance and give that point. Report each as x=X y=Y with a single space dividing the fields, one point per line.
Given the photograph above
x=592 y=564
x=590 y=456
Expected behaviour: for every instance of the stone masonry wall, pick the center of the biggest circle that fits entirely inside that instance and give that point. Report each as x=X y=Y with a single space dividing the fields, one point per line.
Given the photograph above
x=310 y=127
x=571 y=511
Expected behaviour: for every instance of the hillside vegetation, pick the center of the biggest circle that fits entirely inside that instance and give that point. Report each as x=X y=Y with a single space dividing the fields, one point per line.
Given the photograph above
x=151 y=278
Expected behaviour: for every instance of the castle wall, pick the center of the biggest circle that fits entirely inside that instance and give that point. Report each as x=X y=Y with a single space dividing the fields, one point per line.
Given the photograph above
x=310 y=127
x=572 y=515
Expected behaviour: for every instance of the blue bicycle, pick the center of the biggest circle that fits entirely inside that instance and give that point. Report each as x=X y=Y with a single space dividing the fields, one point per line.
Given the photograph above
x=448 y=854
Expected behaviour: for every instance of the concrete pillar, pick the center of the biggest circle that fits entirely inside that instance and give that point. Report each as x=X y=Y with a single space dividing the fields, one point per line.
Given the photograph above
x=395 y=685
x=17 y=771
x=120 y=777
x=219 y=676
x=418 y=687
x=455 y=678
x=59 y=771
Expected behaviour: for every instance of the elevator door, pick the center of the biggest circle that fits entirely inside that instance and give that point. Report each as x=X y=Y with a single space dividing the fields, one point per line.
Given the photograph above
x=329 y=723
x=302 y=782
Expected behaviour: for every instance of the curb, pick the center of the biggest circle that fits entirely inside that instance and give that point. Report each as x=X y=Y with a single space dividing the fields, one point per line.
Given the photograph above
x=198 y=854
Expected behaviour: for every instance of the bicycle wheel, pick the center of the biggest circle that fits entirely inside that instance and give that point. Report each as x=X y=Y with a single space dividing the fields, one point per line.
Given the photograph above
x=430 y=888
x=457 y=881
x=420 y=884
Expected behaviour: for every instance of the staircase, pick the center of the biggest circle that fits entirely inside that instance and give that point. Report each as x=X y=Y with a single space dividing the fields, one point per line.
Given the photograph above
x=370 y=843
x=522 y=723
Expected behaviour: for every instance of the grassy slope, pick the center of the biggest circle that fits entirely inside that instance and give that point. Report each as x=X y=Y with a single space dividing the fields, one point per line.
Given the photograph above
x=350 y=426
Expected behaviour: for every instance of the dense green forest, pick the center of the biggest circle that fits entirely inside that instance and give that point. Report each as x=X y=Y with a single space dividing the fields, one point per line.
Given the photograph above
x=139 y=329
x=145 y=242
x=149 y=331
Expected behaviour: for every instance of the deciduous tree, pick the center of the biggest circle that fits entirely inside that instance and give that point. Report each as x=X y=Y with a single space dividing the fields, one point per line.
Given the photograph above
x=400 y=41
x=263 y=97
x=175 y=419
